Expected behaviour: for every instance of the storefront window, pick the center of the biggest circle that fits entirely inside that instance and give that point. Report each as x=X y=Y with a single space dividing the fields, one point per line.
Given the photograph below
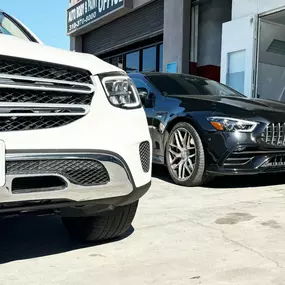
x=149 y=59
x=133 y=61
x=161 y=57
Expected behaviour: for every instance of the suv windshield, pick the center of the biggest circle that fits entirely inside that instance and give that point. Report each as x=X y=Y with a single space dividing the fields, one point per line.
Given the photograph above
x=8 y=27
x=181 y=84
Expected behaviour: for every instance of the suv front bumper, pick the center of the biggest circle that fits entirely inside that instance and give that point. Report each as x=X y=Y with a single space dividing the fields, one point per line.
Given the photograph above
x=119 y=188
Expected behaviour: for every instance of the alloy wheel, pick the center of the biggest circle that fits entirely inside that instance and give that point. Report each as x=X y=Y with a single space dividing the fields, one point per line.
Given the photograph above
x=182 y=154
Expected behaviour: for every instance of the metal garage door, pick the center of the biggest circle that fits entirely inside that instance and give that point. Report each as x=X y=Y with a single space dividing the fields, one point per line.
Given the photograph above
x=133 y=27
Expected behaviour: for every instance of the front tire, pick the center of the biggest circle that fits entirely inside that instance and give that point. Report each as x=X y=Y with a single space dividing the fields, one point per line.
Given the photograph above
x=185 y=157
x=106 y=226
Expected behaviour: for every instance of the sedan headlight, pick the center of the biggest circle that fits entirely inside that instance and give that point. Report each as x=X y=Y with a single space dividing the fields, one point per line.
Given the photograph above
x=121 y=92
x=232 y=124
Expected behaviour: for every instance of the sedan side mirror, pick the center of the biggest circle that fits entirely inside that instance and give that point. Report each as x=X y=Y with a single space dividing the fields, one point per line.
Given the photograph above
x=143 y=93
x=146 y=98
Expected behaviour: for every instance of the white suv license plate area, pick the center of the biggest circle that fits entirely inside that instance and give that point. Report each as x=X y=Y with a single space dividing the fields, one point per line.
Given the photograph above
x=2 y=163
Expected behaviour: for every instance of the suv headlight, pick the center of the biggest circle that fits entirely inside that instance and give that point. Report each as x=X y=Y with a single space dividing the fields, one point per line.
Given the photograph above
x=121 y=91
x=232 y=124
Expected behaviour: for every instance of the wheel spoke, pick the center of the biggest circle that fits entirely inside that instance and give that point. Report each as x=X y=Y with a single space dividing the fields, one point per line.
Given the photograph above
x=180 y=169
x=183 y=169
x=178 y=145
x=187 y=168
x=185 y=139
x=190 y=164
x=181 y=139
x=176 y=154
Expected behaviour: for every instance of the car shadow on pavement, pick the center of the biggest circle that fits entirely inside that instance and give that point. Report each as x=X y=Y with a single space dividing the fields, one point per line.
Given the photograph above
x=26 y=237
x=225 y=182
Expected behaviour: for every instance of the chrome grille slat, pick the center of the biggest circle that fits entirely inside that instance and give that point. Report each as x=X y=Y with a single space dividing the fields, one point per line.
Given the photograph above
x=34 y=83
x=283 y=139
x=266 y=134
x=274 y=134
x=37 y=95
x=278 y=133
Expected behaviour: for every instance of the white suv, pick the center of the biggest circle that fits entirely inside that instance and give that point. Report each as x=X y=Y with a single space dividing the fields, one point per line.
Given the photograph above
x=73 y=136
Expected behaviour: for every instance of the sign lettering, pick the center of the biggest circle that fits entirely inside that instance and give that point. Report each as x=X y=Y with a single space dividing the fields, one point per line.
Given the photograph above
x=87 y=11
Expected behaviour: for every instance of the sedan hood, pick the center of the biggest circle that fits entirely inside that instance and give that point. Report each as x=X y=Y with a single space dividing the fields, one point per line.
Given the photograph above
x=14 y=47
x=240 y=107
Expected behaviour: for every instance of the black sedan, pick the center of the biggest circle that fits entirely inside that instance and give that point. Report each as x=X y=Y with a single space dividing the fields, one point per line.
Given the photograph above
x=201 y=129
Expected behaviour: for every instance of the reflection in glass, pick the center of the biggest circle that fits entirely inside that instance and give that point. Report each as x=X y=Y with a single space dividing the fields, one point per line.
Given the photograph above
x=149 y=59
x=132 y=62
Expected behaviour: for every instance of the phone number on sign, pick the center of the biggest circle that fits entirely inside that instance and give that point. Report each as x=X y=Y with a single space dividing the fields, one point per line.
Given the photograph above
x=82 y=21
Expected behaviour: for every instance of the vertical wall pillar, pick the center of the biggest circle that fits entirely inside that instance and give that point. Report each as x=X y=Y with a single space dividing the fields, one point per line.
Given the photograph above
x=176 y=37
x=76 y=44
x=212 y=15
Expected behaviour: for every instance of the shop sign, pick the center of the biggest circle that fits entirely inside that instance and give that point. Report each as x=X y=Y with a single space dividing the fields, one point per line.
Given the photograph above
x=86 y=12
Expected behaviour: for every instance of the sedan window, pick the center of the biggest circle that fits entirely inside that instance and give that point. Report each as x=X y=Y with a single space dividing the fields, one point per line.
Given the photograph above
x=180 y=84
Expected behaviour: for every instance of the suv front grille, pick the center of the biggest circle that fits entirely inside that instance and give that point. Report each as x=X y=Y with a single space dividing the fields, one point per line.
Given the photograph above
x=16 y=66
x=83 y=172
x=41 y=95
x=274 y=134
x=145 y=156
x=15 y=123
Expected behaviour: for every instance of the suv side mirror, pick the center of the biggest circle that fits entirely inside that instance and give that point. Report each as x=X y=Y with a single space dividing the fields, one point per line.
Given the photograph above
x=150 y=101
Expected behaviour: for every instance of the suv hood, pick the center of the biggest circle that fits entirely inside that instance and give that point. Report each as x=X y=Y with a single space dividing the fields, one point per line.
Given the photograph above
x=240 y=107
x=12 y=46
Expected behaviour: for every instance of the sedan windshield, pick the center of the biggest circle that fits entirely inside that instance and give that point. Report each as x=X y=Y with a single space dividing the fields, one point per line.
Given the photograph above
x=180 y=84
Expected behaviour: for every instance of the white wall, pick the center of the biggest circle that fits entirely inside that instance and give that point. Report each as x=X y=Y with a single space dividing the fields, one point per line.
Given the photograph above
x=242 y=8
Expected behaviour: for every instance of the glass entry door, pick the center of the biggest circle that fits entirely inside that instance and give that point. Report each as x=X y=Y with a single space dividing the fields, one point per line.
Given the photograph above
x=238 y=60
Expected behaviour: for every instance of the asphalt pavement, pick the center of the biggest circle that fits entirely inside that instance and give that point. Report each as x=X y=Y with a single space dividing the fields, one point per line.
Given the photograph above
x=230 y=232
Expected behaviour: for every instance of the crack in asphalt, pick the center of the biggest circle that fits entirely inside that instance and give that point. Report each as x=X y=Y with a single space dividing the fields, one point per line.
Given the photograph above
x=240 y=244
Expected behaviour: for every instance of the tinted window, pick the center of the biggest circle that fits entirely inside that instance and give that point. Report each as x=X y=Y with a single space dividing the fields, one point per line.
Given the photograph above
x=149 y=59
x=178 y=84
x=132 y=61
x=7 y=27
x=140 y=83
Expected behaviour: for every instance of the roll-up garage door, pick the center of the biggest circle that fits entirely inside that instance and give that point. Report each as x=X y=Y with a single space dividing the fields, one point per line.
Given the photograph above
x=133 y=27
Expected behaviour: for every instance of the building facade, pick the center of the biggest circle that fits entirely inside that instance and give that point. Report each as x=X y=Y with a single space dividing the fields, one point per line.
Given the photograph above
x=151 y=35
x=238 y=42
